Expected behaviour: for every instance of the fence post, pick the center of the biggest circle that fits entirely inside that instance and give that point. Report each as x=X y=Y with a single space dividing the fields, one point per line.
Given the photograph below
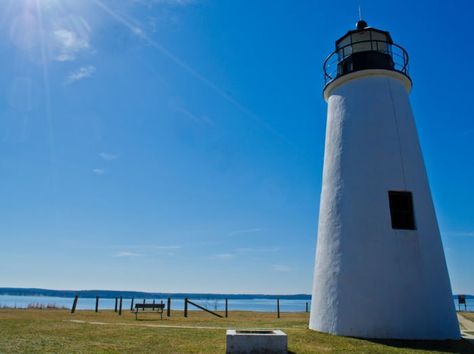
x=120 y=307
x=186 y=307
x=226 y=308
x=116 y=304
x=74 y=304
x=96 y=304
x=144 y=302
x=131 y=304
x=168 y=310
x=306 y=307
x=278 y=308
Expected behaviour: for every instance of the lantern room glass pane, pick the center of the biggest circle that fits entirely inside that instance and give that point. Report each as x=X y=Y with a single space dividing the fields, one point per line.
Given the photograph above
x=345 y=41
x=344 y=48
x=378 y=36
x=361 y=42
x=361 y=47
x=361 y=36
x=380 y=42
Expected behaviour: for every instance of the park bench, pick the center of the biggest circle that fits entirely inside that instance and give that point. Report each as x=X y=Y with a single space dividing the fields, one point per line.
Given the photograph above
x=156 y=308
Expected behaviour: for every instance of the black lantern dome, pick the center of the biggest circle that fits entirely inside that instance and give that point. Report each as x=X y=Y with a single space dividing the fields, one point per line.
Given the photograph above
x=361 y=24
x=362 y=49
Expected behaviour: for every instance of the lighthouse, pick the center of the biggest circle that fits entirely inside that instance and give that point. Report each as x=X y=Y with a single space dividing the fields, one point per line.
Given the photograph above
x=380 y=268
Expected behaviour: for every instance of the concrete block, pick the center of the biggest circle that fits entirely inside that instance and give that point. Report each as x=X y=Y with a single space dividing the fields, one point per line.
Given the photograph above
x=256 y=342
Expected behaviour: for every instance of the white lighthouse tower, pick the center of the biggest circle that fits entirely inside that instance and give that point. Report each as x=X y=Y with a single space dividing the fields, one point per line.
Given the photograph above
x=380 y=267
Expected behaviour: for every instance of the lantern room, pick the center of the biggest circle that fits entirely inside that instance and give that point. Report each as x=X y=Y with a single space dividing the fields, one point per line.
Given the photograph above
x=362 y=49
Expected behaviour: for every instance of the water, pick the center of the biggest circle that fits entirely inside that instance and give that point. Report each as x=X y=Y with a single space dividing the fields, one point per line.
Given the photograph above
x=263 y=305
x=469 y=305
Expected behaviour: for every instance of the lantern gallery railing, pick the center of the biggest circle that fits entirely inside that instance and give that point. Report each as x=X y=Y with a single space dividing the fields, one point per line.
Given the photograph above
x=370 y=54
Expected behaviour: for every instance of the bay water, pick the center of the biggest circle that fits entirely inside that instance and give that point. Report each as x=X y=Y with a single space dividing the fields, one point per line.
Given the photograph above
x=262 y=305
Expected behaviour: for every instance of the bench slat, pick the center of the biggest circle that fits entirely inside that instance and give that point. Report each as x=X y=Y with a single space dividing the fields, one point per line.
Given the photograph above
x=149 y=306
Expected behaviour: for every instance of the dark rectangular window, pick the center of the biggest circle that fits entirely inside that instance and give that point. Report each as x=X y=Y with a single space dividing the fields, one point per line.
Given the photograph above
x=401 y=210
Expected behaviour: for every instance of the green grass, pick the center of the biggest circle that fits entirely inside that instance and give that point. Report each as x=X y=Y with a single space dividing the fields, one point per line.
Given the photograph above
x=35 y=331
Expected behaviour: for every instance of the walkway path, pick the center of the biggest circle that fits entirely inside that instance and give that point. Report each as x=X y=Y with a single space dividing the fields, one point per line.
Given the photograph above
x=142 y=325
x=165 y=326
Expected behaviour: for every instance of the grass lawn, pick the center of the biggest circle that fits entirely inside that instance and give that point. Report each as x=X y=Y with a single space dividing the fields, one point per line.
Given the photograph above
x=58 y=331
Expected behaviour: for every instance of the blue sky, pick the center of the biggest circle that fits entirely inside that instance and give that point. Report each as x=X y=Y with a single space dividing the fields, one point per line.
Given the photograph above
x=176 y=145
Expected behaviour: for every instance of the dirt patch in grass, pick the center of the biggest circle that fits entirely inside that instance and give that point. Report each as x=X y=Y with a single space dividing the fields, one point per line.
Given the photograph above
x=468 y=315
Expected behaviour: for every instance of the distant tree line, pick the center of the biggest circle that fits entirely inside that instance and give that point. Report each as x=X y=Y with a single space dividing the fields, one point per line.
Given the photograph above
x=144 y=295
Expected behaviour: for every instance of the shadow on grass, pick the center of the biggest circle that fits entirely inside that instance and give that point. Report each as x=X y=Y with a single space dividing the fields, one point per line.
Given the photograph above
x=462 y=346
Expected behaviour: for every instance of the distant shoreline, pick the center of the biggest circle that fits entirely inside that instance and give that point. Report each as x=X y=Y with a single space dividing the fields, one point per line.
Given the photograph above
x=142 y=294
x=150 y=295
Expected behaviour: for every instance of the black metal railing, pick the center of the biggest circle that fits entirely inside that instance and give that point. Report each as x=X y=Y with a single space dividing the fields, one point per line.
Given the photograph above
x=336 y=66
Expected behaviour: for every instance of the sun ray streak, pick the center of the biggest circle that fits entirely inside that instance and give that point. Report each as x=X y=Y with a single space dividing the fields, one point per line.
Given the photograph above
x=140 y=33
x=47 y=92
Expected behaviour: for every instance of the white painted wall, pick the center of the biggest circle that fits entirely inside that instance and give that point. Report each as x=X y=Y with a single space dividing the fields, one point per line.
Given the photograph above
x=370 y=280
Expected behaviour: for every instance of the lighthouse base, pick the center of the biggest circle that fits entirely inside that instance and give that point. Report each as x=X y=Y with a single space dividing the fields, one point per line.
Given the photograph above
x=378 y=273
x=410 y=334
